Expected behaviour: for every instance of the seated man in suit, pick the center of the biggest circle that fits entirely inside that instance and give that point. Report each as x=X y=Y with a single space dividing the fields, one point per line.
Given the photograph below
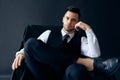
x=64 y=54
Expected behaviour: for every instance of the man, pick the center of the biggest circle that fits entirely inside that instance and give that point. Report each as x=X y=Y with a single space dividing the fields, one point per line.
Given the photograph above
x=55 y=53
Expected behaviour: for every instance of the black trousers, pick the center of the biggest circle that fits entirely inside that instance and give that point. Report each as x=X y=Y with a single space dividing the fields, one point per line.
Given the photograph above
x=45 y=63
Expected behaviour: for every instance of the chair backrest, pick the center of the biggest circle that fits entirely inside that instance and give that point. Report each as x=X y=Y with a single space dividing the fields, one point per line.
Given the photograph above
x=33 y=31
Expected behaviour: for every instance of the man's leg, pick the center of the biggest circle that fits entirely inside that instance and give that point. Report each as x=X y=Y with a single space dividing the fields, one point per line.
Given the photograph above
x=44 y=53
x=37 y=56
x=76 y=72
x=97 y=76
x=105 y=67
x=79 y=72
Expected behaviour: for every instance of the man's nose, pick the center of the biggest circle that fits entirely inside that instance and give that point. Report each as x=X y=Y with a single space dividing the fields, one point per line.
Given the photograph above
x=69 y=21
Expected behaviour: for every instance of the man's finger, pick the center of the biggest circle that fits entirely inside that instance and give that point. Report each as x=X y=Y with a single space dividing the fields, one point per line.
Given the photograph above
x=19 y=61
x=16 y=62
x=13 y=65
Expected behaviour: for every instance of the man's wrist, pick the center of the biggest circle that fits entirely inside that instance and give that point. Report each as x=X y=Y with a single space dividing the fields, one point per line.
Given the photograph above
x=17 y=53
x=88 y=28
x=20 y=52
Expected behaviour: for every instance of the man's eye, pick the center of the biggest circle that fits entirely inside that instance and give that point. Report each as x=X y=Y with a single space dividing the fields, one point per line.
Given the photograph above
x=74 y=20
x=67 y=18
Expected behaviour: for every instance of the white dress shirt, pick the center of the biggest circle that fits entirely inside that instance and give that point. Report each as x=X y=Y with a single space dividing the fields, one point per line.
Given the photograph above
x=89 y=44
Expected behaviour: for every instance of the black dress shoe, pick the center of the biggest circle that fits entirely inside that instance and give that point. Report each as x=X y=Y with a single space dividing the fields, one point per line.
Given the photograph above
x=107 y=67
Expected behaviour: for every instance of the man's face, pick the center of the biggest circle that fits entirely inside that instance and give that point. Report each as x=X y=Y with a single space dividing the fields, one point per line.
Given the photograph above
x=69 y=21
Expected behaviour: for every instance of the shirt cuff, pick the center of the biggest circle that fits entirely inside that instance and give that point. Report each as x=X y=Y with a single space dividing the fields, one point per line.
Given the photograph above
x=20 y=52
x=88 y=31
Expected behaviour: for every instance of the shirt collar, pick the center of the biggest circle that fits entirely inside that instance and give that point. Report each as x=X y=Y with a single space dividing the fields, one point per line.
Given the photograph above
x=63 y=34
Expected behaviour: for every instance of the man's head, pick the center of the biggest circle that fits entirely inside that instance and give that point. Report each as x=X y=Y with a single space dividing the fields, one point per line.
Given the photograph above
x=70 y=18
x=73 y=9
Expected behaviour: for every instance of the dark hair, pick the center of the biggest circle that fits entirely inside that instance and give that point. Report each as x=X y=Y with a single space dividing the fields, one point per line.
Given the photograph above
x=73 y=9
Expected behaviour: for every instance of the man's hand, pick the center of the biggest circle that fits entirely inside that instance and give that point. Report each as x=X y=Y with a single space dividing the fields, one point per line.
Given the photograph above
x=82 y=25
x=17 y=61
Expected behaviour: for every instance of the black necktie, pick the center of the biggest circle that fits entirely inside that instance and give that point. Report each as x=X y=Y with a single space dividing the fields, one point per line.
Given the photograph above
x=65 y=39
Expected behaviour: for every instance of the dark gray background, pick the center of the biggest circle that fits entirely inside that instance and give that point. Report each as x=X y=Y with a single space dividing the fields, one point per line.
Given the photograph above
x=102 y=15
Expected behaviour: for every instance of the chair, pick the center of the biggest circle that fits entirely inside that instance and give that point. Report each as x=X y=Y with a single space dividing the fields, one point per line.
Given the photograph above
x=31 y=32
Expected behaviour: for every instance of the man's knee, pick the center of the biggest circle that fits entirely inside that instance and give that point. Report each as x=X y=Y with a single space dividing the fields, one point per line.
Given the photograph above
x=33 y=42
x=30 y=42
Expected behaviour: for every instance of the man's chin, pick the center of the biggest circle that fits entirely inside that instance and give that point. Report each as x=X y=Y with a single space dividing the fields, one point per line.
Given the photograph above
x=70 y=30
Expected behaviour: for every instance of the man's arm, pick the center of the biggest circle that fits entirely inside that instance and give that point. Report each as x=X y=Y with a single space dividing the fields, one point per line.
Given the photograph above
x=89 y=45
x=20 y=54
